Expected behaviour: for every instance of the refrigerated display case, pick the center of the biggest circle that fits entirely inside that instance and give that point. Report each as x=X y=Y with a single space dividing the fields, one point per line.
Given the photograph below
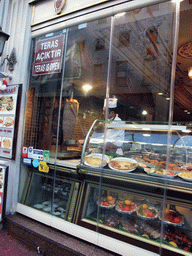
x=144 y=196
x=55 y=195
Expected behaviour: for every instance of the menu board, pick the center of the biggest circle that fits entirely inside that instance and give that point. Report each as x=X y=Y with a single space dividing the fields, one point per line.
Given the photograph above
x=8 y=106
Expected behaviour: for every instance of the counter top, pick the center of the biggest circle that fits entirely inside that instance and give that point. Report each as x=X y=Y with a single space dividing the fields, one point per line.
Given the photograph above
x=70 y=163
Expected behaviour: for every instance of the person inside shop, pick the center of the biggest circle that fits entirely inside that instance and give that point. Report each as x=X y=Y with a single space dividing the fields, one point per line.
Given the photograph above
x=114 y=137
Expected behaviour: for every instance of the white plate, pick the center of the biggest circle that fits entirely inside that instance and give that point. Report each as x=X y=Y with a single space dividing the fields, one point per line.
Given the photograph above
x=38 y=206
x=129 y=160
x=57 y=213
x=47 y=209
x=100 y=156
x=46 y=203
x=187 y=179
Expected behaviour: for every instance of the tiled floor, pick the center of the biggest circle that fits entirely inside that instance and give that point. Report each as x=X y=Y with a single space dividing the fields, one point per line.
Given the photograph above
x=11 y=246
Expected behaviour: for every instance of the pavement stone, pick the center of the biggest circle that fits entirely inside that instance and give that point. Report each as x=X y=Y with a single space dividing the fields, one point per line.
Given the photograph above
x=11 y=246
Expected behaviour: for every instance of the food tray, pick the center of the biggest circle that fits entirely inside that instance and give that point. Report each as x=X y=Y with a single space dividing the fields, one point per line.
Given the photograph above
x=180 y=224
x=184 y=178
x=153 y=173
x=100 y=156
x=118 y=209
x=106 y=207
x=146 y=217
x=123 y=159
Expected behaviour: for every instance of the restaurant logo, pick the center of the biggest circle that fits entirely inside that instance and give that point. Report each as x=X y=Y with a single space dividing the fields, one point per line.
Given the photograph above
x=59 y=5
x=185 y=50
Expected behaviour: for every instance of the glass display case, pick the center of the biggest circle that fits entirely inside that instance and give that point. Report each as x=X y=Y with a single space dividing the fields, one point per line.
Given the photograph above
x=137 y=217
x=123 y=147
x=50 y=194
x=143 y=193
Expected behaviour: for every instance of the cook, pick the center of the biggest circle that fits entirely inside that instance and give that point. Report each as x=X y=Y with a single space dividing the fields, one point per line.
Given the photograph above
x=114 y=137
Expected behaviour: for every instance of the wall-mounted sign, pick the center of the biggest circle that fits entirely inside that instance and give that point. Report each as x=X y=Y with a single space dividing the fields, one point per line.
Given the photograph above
x=8 y=124
x=48 y=56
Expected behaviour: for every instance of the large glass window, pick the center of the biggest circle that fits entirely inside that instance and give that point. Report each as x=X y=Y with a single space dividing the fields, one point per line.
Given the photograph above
x=116 y=68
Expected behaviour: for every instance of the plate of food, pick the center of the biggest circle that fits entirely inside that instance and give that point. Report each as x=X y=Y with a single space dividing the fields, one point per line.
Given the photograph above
x=186 y=176
x=123 y=164
x=159 y=172
x=107 y=202
x=172 y=217
x=126 y=206
x=96 y=160
x=147 y=212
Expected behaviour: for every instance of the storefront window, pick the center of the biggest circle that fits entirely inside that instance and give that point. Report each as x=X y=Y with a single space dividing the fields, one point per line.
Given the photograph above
x=100 y=94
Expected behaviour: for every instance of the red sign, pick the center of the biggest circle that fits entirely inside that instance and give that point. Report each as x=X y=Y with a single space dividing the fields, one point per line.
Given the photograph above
x=48 y=56
x=25 y=152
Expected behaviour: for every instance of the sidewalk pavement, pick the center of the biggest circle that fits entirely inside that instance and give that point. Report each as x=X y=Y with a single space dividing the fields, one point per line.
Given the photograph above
x=11 y=246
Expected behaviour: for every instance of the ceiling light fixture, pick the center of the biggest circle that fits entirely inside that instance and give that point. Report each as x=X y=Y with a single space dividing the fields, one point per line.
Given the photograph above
x=87 y=87
x=144 y=112
x=190 y=72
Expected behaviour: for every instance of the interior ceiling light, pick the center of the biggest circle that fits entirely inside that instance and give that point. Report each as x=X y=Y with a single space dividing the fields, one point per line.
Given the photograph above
x=190 y=72
x=185 y=110
x=160 y=93
x=87 y=87
x=144 y=112
x=186 y=131
x=146 y=129
x=167 y=98
x=188 y=113
x=146 y=135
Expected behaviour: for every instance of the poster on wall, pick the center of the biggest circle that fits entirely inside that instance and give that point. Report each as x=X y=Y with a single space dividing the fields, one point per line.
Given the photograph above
x=8 y=124
x=48 y=56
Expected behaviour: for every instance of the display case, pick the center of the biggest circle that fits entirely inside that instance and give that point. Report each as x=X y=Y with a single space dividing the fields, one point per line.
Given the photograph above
x=142 y=196
x=52 y=194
